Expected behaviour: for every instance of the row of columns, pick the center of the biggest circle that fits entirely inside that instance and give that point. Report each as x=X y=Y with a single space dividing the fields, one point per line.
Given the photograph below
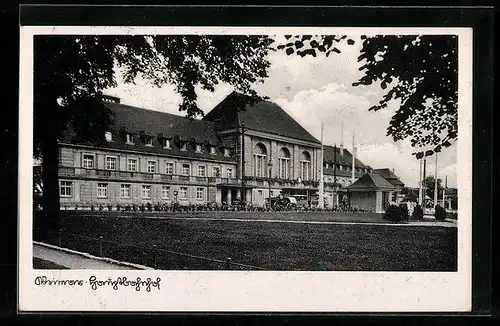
x=229 y=195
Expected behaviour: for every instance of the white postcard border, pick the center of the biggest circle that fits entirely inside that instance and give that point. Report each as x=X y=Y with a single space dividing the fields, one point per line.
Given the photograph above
x=193 y=291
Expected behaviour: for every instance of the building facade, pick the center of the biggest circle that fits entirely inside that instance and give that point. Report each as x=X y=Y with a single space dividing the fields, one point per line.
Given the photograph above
x=274 y=154
x=242 y=150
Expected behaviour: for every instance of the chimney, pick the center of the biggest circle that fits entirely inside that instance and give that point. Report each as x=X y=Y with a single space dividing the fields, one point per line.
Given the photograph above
x=341 y=149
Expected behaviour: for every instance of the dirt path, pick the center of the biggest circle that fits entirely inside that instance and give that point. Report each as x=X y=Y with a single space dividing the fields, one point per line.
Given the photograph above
x=73 y=260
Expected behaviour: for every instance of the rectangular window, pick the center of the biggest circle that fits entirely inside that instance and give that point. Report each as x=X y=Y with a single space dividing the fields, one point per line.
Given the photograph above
x=132 y=165
x=200 y=193
x=212 y=150
x=185 y=169
x=108 y=135
x=226 y=152
x=169 y=168
x=110 y=163
x=201 y=170
x=166 y=144
x=149 y=141
x=129 y=139
x=183 y=146
x=229 y=172
x=198 y=148
x=259 y=166
x=65 y=188
x=165 y=192
x=183 y=193
x=284 y=166
x=216 y=171
x=88 y=161
x=146 y=192
x=304 y=170
x=151 y=166
x=125 y=191
x=102 y=190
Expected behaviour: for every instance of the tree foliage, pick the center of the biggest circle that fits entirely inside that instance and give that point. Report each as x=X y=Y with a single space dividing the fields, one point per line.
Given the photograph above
x=429 y=186
x=73 y=70
x=421 y=71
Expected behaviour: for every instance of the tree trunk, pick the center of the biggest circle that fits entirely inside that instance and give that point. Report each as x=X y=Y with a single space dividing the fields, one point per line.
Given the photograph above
x=50 y=222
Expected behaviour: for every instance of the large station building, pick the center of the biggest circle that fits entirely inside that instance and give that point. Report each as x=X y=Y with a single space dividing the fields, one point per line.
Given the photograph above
x=240 y=150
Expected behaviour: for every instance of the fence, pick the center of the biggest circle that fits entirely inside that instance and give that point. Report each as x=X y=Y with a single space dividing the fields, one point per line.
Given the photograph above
x=151 y=256
x=210 y=207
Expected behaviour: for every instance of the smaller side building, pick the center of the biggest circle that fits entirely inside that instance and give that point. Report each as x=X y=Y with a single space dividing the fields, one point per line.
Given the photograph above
x=371 y=192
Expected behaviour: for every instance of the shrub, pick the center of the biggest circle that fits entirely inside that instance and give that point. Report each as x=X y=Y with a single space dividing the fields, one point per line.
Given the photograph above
x=404 y=212
x=393 y=213
x=418 y=213
x=439 y=213
x=451 y=215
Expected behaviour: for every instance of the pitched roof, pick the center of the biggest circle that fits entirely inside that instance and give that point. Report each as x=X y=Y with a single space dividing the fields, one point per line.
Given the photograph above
x=371 y=181
x=389 y=176
x=262 y=116
x=330 y=152
x=158 y=125
x=341 y=173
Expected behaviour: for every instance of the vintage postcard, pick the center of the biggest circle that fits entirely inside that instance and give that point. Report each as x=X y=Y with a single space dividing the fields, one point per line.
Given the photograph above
x=251 y=169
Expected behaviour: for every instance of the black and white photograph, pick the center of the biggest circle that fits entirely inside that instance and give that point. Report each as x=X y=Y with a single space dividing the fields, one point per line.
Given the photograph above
x=266 y=153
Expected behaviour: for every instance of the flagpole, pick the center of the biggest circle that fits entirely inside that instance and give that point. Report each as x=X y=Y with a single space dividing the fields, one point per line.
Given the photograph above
x=321 y=199
x=420 y=183
x=353 y=158
x=424 y=186
x=445 y=186
x=436 y=182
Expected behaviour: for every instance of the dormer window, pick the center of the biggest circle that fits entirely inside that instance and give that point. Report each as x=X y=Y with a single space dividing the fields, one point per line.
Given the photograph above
x=183 y=146
x=212 y=150
x=129 y=139
x=166 y=143
x=226 y=152
x=198 y=148
x=148 y=141
x=108 y=135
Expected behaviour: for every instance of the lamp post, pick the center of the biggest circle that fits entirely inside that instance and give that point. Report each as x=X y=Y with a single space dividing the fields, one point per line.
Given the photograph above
x=243 y=190
x=270 y=165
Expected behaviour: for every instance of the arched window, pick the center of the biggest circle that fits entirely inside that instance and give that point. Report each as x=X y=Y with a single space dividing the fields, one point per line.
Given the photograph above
x=259 y=156
x=305 y=165
x=284 y=163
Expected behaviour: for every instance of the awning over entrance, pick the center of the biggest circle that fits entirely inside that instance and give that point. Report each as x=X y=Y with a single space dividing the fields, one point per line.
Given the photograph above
x=300 y=189
x=235 y=185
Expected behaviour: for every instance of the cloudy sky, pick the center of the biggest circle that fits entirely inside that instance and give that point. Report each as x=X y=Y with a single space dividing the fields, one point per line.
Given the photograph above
x=314 y=90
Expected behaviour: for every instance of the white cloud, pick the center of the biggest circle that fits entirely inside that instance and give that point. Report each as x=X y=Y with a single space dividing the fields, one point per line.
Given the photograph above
x=334 y=104
x=315 y=90
x=143 y=94
x=390 y=155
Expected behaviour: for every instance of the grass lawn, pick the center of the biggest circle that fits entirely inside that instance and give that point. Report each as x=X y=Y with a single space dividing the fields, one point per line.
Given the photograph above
x=274 y=246
x=290 y=216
